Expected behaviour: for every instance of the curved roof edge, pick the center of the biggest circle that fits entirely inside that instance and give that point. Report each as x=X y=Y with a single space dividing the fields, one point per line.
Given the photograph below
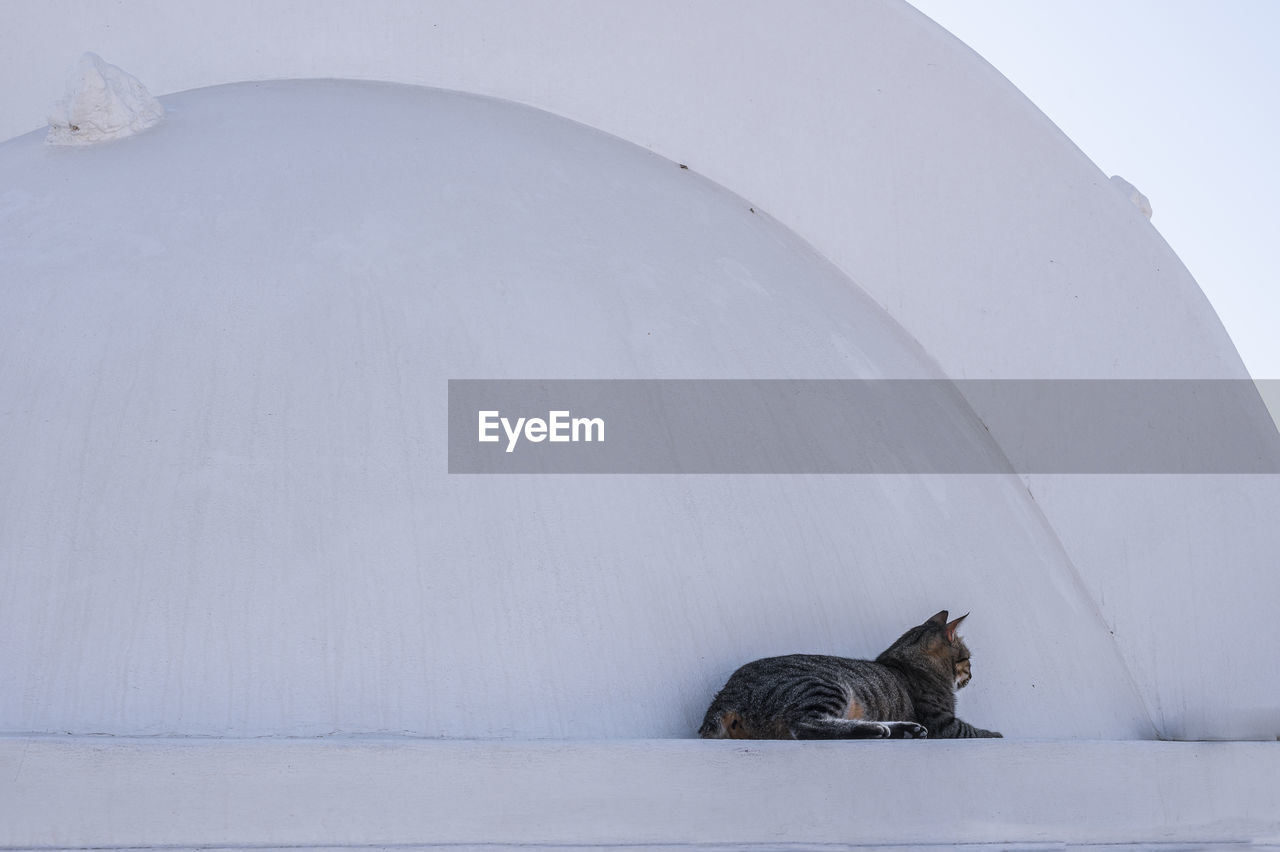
x=867 y=129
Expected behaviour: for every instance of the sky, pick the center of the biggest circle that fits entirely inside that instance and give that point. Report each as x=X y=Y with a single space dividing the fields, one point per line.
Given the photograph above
x=1182 y=99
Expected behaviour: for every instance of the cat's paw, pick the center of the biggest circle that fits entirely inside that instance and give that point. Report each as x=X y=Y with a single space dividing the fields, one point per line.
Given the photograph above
x=908 y=731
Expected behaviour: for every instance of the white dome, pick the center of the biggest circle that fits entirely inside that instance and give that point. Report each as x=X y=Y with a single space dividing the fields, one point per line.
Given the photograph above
x=226 y=506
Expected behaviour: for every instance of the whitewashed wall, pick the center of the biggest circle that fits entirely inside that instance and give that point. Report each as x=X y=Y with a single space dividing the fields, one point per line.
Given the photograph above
x=227 y=349
x=901 y=157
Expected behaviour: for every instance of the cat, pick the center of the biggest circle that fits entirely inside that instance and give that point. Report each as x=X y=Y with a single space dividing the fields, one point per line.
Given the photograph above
x=908 y=692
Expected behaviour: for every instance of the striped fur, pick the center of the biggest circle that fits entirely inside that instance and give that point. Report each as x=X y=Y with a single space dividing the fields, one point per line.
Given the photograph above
x=908 y=691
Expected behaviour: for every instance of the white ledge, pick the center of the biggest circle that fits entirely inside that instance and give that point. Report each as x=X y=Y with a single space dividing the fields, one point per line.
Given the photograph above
x=76 y=792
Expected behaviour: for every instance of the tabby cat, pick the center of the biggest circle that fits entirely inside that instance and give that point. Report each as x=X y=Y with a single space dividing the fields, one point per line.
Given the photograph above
x=909 y=691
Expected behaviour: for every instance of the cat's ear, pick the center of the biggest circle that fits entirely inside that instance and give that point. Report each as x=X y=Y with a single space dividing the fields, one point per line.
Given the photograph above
x=951 y=627
x=940 y=619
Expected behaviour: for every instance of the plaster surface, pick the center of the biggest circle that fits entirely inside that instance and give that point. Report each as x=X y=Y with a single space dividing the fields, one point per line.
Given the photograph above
x=75 y=793
x=226 y=359
x=900 y=156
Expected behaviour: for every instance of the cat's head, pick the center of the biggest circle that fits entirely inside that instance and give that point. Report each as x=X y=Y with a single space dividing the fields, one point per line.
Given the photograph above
x=935 y=646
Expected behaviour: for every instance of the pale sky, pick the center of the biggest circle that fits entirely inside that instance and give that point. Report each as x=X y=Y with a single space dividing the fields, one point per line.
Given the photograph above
x=1182 y=99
